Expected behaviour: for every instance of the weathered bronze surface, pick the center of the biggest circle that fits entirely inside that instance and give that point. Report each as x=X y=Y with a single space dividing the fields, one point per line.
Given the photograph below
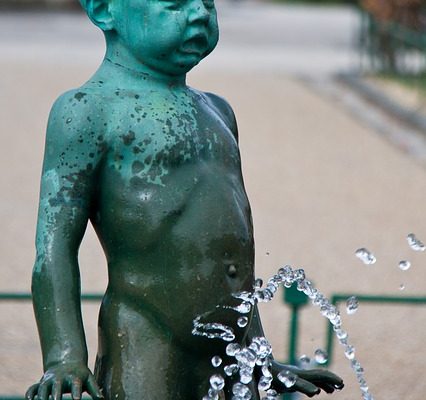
x=154 y=165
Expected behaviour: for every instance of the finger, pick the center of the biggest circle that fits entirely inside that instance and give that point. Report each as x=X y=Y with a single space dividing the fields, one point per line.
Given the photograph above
x=319 y=376
x=323 y=374
x=327 y=387
x=76 y=389
x=31 y=392
x=306 y=387
x=43 y=391
x=57 y=390
x=93 y=388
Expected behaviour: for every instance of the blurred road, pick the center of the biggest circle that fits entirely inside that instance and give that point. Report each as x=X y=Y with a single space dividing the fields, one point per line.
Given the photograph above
x=297 y=39
x=322 y=182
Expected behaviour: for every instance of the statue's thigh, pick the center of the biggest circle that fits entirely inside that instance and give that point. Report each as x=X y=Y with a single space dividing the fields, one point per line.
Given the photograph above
x=138 y=359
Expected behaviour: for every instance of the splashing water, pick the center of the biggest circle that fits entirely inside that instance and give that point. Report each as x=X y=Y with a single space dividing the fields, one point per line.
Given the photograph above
x=352 y=305
x=212 y=330
x=366 y=256
x=242 y=322
x=320 y=356
x=259 y=351
x=216 y=361
x=415 y=243
x=404 y=265
x=288 y=378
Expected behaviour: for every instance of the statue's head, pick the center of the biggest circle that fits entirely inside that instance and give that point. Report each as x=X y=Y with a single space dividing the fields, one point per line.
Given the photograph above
x=171 y=36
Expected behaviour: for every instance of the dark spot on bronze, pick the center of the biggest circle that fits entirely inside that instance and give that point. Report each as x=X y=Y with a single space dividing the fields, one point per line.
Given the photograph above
x=128 y=138
x=137 y=167
x=78 y=96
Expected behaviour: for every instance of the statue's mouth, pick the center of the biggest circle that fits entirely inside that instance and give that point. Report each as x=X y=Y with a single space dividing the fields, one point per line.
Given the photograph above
x=196 y=44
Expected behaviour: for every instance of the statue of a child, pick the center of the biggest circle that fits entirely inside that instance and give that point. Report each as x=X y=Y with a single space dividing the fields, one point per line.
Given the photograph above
x=154 y=165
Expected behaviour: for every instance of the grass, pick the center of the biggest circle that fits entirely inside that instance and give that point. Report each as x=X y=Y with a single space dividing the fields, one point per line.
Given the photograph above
x=415 y=82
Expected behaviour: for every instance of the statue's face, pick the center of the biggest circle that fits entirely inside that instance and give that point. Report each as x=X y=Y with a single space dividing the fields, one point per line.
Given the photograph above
x=170 y=36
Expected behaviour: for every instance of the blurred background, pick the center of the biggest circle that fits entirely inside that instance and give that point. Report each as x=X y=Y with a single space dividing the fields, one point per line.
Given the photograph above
x=330 y=101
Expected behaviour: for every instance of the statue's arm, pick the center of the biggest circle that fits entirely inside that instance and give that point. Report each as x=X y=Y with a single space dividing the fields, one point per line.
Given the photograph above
x=224 y=110
x=67 y=188
x=309 y=382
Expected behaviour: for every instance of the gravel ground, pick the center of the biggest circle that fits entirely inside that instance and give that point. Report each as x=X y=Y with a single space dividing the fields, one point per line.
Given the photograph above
x=321 y=183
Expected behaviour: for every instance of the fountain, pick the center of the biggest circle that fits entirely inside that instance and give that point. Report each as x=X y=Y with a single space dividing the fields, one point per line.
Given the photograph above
x=154 y=165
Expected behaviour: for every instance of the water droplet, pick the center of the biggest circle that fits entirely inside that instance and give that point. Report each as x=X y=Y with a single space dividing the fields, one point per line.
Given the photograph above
x=401 y=286
x=242 y=322
x=246 y=357
x=271 y=394
x=288 y=378
x=267 y=253
x=217 y=382
x=241 y=390
x=350 y=352
x=212 y=330
x=264 y=383
x=352 y=305
x=415 y=243
x=232 y=349
x=321 y=356
x=68 y=120
x=261 y=347
x=216 y=361
x=266 y=372
x=258 y=283
x=404 y=265
x=365 y=256
x=304 y=359
x=213 y=394
x=341 y=334
x=230 y=369
x=243 y=308
x=246 y=375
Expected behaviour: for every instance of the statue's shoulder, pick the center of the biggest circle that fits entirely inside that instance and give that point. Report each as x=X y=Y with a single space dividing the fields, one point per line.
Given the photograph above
x=78 y=109
x=223 y=109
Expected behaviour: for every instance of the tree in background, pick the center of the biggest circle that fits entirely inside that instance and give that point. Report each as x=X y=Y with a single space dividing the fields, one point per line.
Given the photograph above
x=384 y=14
x=406 y=12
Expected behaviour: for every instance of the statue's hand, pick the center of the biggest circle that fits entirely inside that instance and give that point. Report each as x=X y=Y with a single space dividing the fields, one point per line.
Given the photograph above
x=309 y=382
x=65 y=378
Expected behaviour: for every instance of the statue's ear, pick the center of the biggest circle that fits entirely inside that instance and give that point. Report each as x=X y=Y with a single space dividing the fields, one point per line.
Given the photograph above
x=99 y=12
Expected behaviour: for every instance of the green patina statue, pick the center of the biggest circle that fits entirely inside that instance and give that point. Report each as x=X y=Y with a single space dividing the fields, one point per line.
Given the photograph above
x=154 y=165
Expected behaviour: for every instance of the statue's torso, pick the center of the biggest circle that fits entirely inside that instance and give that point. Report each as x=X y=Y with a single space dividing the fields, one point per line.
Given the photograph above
x=172 y=213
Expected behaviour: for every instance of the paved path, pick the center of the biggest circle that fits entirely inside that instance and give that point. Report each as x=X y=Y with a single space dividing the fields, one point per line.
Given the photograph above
x=321 y=183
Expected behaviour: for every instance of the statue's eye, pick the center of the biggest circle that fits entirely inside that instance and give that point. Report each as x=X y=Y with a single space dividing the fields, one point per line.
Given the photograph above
x=172 y=4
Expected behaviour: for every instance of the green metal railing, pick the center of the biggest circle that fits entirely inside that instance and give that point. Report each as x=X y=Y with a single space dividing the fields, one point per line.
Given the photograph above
x=336 y=298
x=27 y=296
x=292 y=297
x=296 y=300
x=391 y=47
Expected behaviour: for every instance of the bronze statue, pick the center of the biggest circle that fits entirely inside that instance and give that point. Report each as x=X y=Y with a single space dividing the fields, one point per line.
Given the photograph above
x=155 y=166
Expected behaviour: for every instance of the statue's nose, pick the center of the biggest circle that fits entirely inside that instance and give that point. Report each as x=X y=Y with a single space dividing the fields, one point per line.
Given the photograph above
x=199 y=12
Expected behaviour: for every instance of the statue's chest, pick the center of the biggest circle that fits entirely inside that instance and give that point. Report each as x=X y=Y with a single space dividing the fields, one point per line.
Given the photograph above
x=155 y=142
